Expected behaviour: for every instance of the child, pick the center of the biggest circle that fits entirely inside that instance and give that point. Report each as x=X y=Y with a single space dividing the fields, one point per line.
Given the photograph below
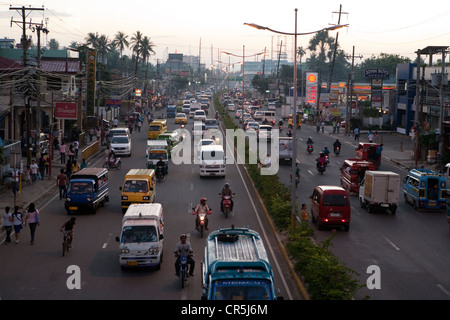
x=304 y=214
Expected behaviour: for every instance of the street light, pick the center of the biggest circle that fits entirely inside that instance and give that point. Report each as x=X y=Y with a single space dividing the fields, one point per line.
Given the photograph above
x=294 y=112
x=243 y=63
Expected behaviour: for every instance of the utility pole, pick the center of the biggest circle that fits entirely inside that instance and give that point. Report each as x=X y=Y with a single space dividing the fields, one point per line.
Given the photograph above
x=23 y=11
x=335 y=49
x=351 y=78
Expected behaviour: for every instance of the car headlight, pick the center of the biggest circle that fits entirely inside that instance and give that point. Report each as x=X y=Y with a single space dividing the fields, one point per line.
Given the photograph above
x=125 y=250
x=124 y=197
x=145 y=198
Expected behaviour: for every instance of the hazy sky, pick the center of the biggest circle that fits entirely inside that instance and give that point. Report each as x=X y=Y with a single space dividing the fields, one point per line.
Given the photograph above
x=396 y=27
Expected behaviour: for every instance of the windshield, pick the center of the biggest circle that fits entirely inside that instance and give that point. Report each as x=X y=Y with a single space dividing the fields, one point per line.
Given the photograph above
x=242 y=290
x=157 y=155
x=334 y=200
x=138 y=234
x=265 y=128
x=80 y=187
x=212 y=156
x=135 y=186
x=119 y=139
x=154 y=128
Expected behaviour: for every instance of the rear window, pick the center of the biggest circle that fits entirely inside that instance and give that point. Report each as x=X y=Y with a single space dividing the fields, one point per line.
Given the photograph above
x=334 y=200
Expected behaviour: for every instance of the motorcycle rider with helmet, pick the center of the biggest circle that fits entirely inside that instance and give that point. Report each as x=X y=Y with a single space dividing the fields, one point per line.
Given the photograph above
x=162 y=165
x=337 y=144
x=184 y=248
x=321 y=159
x=202 y=207
x=226 y=191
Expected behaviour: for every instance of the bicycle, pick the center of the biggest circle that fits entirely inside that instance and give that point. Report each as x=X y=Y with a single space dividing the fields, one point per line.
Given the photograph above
x=67 y=241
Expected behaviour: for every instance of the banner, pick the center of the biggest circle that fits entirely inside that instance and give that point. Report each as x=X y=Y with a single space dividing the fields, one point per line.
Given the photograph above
x=90 y=91
x=66 y=110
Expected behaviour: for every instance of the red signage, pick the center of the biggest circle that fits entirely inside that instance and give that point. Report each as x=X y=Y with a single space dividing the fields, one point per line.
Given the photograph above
x=66 y=110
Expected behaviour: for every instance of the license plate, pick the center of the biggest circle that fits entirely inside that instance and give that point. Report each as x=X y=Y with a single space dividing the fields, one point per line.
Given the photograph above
x=73 y=208
x=132 y=263
x=335 y=214
x=385 y=205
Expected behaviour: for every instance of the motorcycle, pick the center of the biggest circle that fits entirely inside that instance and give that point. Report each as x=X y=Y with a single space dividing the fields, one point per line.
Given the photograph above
x=112 y=164
x=183 y=268
x=160 y=173
x=310 y=148
x=321 y=167
x=226 y=204
x=280 y=127
x=201 y=221
x=337 y=151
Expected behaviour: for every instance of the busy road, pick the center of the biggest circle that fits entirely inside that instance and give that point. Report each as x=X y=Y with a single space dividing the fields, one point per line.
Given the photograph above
x=40 y=271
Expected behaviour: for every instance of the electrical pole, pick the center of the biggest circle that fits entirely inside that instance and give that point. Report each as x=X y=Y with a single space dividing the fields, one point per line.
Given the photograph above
x=23 y=12
x=351 y=78
x=335 y=49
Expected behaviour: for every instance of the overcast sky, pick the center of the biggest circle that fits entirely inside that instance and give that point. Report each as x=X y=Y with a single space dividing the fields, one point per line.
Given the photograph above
x=396 y=27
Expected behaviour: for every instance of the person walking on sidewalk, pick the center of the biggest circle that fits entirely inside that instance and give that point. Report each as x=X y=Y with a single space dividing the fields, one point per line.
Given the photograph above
x=62 y=152
x=71 y=152
x=76 y=146
x=61 y=182
x=356 y=133
x=32 y=218
x=34 y=171
x=8 y=224
x=17 y=222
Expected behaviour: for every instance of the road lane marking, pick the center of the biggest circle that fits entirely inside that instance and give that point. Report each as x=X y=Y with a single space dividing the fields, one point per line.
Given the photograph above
x=391 y=243
x=261 y=226
x=104 y=245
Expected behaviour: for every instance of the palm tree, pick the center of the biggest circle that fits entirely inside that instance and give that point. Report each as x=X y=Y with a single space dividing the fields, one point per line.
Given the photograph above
x=136 y=42
x=146 y=49
x=121 y=42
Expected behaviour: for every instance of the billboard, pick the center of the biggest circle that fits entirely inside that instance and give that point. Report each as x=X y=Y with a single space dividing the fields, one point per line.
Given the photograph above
x=312 y=88
x=66 y=110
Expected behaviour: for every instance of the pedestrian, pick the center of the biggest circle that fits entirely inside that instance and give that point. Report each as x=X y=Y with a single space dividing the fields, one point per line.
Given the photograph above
x=28 y=175
x=34 y=171
x=115 y=122
x=41 y=167
x=83 y=164
x=71 y=152
x=304 y=215
x=68 y=169
x=139 y=125
x=338 y=126
x=17 y=222
x=75 y=166
x=370 y=136
x=76 y=146
x=334 y=126
x=91 y=134
x=15 y=180
x=356 y=133
x=323 y=126
x=46 y=163
x=62 y=152
x=32 y=218
x=8 y=224
x=61 y=183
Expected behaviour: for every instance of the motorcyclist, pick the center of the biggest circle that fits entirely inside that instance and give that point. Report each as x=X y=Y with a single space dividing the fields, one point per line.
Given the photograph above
x=226 y=191
x=184 y=248
x=280 y=124
x=202 y=208
x=321 y=159
x=326 y=151
x=111 y=159
x=309 y=141
x=161 y=164
x=336 y=144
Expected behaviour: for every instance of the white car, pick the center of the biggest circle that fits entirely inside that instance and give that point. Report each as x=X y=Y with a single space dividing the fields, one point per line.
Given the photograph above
x=200 y=115
x=272 y=106
x=121 y=145
x=252 y=125
x=231 y=107
x=258 y=115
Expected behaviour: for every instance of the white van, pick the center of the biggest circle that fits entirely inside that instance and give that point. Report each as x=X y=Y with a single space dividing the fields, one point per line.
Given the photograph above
x=270 y=116
x=212 y=161
x=142 y=236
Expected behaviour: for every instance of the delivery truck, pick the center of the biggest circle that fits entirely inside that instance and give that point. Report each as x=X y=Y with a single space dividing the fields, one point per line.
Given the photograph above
x=380 y=189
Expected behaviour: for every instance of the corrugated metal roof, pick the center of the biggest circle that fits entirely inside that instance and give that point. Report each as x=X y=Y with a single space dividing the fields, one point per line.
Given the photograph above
x=60 y=66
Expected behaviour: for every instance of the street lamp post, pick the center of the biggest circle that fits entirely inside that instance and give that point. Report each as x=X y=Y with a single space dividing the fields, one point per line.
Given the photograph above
x=294 y=112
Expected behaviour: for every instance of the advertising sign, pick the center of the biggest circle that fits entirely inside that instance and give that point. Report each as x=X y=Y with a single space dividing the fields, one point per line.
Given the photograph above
x=90 y=92
x=66 y=110
x=312 y=88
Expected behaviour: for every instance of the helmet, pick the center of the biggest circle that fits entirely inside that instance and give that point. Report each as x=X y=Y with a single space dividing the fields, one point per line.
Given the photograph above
x=227 y=185
x=203 y=199
x=326 y=147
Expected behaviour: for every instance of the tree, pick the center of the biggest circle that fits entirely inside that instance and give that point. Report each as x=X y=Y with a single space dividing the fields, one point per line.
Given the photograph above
x=136 y=42
x=121 y=42
x=53 y=44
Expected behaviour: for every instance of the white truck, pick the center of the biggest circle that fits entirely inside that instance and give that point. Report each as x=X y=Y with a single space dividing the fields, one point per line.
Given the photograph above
x=142 y=236
x=446 y=173
x=380 y=189
x=286 y=111
x=285 y=149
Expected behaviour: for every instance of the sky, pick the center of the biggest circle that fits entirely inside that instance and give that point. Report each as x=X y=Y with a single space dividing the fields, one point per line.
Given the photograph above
x=211 y=27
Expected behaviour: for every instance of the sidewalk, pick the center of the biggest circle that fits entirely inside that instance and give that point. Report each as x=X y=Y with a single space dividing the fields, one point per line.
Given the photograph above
x=397 y=148
x=34 y=192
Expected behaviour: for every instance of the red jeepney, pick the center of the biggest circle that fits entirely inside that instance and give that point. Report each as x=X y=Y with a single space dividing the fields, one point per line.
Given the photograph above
x=367 y=151
x=352 y=173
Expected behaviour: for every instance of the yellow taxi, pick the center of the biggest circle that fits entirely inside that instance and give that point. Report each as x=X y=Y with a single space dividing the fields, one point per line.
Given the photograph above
x=181 y=118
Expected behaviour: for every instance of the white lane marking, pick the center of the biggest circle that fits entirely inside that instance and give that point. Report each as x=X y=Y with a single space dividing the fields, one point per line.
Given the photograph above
x=391 y=243
x=261 y=226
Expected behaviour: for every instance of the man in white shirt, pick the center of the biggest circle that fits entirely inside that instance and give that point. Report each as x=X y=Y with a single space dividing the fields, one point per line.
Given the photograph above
x=34 y=171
